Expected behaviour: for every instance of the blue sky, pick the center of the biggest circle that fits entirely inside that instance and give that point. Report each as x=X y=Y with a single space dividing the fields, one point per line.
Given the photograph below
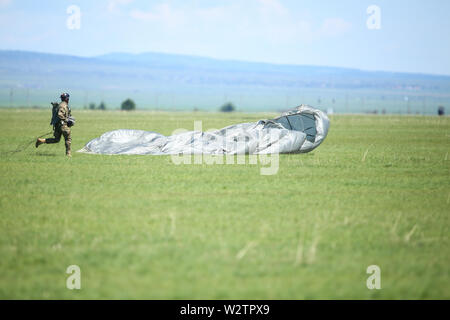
x=414 y=35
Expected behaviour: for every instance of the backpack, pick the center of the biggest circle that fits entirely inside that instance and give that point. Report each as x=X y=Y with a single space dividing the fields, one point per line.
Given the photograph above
x=55 y=118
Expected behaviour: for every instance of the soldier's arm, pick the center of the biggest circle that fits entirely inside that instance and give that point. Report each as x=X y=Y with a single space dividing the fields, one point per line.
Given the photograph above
x=62 y=112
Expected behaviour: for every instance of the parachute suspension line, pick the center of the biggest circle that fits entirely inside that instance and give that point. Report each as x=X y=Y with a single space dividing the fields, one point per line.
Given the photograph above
x=23 y=146
x=46 y=134
x=306 y=129
x=303 y=124
x=287 y=118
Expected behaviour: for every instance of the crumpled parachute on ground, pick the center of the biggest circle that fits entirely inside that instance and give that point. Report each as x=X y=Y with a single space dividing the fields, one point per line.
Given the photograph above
x=297 y=131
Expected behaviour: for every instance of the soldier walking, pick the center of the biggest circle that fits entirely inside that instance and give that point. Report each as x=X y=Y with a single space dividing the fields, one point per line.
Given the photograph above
x=61 y=124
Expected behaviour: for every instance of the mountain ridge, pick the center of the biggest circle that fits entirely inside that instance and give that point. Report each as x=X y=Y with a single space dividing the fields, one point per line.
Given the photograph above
x=137 y=57
x=140 y=70
x=170 y=81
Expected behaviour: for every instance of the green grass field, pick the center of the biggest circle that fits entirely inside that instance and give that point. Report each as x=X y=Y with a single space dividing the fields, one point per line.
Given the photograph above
x=377 y=191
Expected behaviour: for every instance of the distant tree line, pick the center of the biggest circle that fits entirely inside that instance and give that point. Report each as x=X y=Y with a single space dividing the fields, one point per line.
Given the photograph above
x=228 y=107
x=127 y=105
x=101 y=106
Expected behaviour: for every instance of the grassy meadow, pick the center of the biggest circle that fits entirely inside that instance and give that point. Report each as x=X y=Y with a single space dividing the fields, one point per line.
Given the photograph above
x=376 y=192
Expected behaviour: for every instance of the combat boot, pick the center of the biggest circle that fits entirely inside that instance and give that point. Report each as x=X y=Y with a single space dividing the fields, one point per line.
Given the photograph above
x=39 y=141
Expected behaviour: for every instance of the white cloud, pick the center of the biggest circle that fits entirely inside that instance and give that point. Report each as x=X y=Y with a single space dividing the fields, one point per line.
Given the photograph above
x=279 y=26
x=4 y=3
x=272 y=23
x=114 y=5
x=272 y=6
x=163 y=14
x=213 y=13
x=160 y=13
x=334 y=27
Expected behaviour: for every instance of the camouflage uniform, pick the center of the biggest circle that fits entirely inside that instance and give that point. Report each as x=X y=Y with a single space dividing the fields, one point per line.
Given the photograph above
x=60 y=126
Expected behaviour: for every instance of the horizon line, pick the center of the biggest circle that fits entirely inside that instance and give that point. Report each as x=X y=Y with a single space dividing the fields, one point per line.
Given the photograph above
x=228 y=60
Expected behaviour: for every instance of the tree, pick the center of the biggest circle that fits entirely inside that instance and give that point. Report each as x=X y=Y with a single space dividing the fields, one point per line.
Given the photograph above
x=92 y=106
x=128 y=105
x=227 y=107
x=102 y=106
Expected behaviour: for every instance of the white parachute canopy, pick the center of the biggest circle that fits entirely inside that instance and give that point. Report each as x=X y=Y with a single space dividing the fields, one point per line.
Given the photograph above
x=297 y=131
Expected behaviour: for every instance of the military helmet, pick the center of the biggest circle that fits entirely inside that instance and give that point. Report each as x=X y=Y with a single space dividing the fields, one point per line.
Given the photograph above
x=65 y=96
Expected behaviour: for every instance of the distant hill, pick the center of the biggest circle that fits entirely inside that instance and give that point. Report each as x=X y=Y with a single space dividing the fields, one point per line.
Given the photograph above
x=136 y=71
x=189 y=77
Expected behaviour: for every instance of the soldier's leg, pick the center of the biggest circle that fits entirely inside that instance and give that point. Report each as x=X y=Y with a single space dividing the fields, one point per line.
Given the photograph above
x=57 y=136
x=67 y=138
